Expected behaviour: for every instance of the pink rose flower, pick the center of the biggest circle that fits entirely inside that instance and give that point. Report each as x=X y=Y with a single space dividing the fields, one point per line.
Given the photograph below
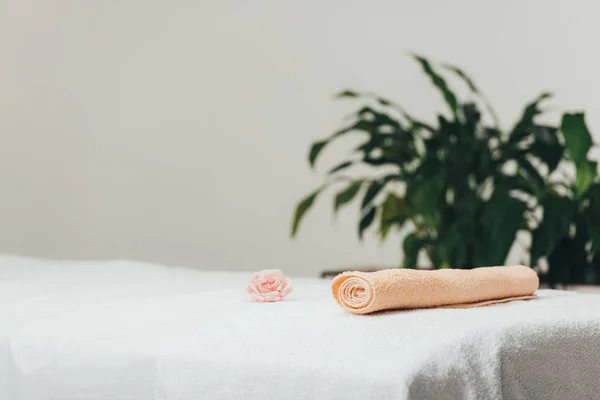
x=269 y=285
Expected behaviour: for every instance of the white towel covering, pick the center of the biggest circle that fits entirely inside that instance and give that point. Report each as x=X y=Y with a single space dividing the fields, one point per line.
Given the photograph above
x=131 y=331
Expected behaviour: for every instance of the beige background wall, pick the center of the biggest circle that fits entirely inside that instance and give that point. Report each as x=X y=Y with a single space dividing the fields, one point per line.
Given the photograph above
x=177 y=131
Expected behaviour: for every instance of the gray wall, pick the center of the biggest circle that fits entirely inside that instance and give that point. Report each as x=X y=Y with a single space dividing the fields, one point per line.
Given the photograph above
x=177 y=131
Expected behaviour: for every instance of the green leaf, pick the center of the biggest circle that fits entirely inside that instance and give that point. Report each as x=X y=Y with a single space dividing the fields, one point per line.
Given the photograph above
x=416 y=126
x=593 y=216
x=531 y=111
x=340 y=167
x=304 y=205
x=586 y=172
x=524 y=128
x=527 y=169
x=461 y=74
x=557 y=218
x=315 y=150
x=596 y=267
x=440 y=84
x=397 y=107
x=500 y=220
x=346 y=195
x=372 y=191
x=518 y=134
x=448 y=129
x=458 y=231
x=369 y=121
x=393 y=148
x=579 y=263
x=393 y=211
x=471 y=113
x=424 y=195
x=577 y=137
x=412 y=246
x=546 y=146
x=561 y=260
x=384 y=102
x=347 y=93
x=506 y=183
x=366 y=221
x=367 y=112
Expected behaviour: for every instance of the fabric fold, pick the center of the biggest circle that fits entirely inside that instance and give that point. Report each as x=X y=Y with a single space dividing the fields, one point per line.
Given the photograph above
x=367 y=292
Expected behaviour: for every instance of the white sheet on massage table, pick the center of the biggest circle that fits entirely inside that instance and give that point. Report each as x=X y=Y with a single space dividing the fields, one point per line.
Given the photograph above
x=125 y=330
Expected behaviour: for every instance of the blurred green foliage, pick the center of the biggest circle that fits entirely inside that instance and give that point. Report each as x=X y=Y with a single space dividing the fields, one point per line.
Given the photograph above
x=463 y=188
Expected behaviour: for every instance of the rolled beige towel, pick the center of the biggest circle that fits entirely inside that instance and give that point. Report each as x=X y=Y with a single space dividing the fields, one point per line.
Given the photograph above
x=367 y=292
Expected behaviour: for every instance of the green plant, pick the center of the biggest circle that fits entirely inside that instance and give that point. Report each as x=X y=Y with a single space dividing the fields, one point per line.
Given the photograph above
x=568 y=235
x=462 y=188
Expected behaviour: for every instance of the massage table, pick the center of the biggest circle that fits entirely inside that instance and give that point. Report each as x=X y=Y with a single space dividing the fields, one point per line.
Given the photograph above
x=123 y=330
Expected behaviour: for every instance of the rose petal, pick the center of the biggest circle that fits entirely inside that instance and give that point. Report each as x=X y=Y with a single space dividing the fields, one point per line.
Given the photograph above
x=269 y=286
x=252 y=290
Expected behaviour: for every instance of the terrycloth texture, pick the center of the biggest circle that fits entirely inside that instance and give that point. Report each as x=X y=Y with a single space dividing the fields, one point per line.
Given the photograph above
x=367 y=292
x=122 y=330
